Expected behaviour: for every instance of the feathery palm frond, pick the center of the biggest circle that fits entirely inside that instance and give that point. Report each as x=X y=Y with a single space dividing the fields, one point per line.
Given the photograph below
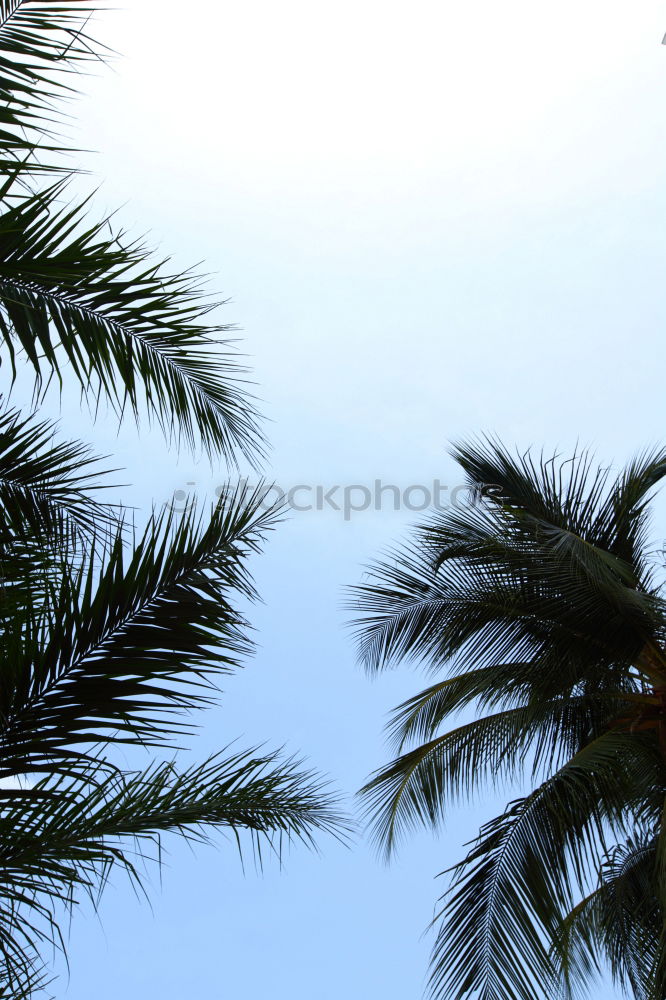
x=415 y=788
x=516 y=884
x=621 y=920
x=127 y=642
x=49 y=517
x=122 y=647
x=47 y=487
x=43 y=44
x=75 y=292
x=130 y=331
x=65 y=835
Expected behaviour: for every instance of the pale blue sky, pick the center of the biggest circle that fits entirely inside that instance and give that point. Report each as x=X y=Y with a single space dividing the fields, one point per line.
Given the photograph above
x=432 y=220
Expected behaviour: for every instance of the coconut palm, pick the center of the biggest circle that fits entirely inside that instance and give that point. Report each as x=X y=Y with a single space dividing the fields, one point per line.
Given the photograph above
x=540 y=603
x=110 y=634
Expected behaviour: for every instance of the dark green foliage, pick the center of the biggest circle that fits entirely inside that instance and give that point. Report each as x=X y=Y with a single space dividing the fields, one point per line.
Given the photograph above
x=540 y=601
x=110 y=635
x=82 y=293
x=130 y=331
x=63 y=836
x=47 y=488
x=43 y=46
x=121 y=642
x=120 y=647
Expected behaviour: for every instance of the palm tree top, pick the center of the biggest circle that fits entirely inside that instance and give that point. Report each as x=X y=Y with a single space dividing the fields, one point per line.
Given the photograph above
x=541 y=604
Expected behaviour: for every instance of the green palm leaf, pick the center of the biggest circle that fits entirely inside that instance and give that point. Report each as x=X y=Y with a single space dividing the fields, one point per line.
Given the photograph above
x=121 y=648
x=621 y=919
x=66 y=836
x=130 y=331
x=415 y=788
x=510 y=895
x=49 y=517
x=47 y=488
x=43 y=45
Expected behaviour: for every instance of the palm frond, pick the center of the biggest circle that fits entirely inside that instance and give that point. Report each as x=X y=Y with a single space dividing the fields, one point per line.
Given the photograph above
x=510 y=685
x=49 y=517
x=511 y=893
x=124 y=648
x=621 y=920
x=47 y=488
x=471 y=584
x=475 y=614
x=416 y=788
x=68 y=834
x=131 y=332
x=44 y=44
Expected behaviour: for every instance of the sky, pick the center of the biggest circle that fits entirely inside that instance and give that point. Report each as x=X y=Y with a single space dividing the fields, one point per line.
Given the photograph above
x=430 y=221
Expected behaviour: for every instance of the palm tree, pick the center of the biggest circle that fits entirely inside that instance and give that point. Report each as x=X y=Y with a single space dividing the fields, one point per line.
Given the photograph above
x=540 y=602
x=110 y=635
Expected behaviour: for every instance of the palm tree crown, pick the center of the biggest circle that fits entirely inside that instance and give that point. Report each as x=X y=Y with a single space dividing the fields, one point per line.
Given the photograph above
x=541 y=603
